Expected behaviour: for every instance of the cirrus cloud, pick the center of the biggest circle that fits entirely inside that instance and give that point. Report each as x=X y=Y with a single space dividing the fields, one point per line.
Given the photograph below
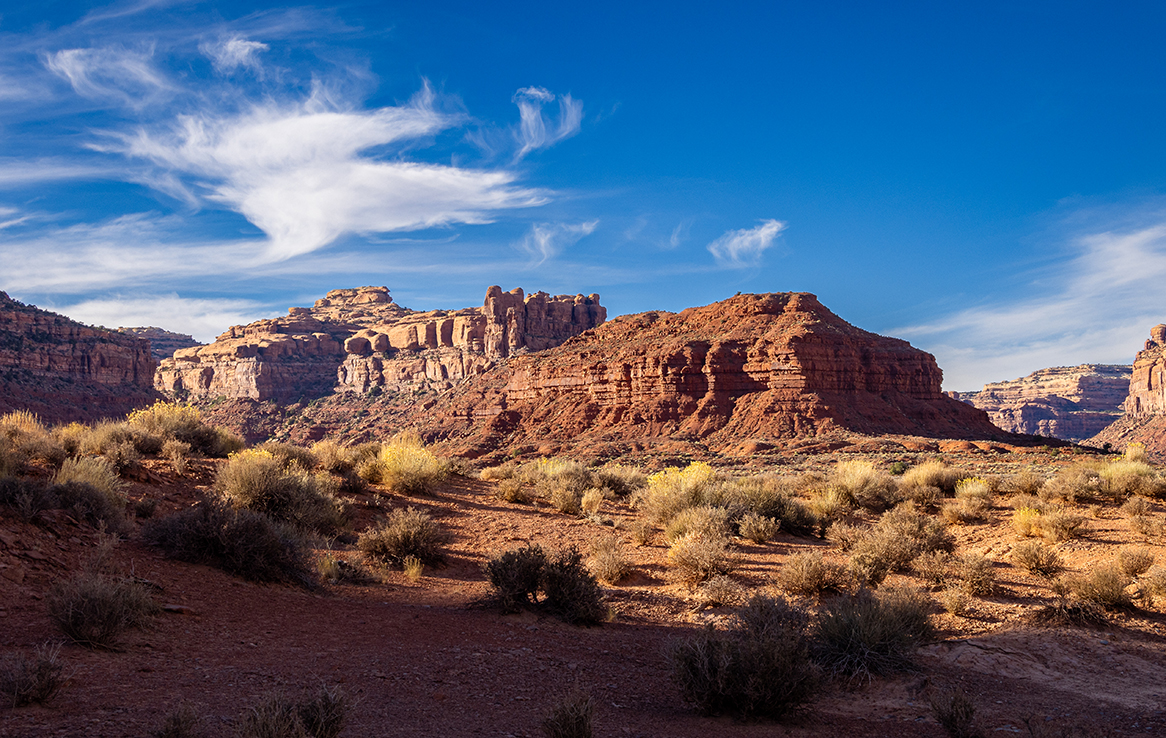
x=743 y=248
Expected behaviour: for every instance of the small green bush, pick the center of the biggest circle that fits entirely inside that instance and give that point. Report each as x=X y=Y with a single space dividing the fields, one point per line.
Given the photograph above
x=869 y=634
x=759 y=667
x=31 y=680
x=241 y=542
x=94 y=610
x=405 y=466
x=404 y=533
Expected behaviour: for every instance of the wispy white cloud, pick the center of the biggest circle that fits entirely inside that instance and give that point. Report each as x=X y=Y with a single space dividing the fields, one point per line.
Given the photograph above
x=126 y=75
x=535 y=130
x=743 y=248
x=228 y=54
x=203 y=318
x=546 y=240
x=679 y=233
x=10 y=217
x=301 y=172
x=1104 y=300
x=18 y=172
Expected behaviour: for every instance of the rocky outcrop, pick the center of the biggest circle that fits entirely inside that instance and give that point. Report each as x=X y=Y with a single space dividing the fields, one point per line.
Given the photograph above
x=1147 y=395
x=64 y=370
x=1072 y=403
x=358 y=340
x=163 y=343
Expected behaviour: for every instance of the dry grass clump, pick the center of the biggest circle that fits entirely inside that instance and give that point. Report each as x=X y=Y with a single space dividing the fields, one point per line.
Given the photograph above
x=26 y=680
x=97 y=473
x=1154 y=582
x=402 y=534
x=898 y=537
x=591 y=502
x=570 y=718
x=869 y=633
x=705 y=520
x=165 y=420
x=178 y=453
x=241 y=542
x=405 y=466
x=608 y=562
x=337 y=570
x=1124 y=477
x=1058 y=526
x=1026 y=521
x=258 y=480
x=698 y=556
x=809 y=574
x=1037 y=558
x=94 y=610
x=956 y=713
x=864 y=485
x=24 y=439
x=1134 y=561
x=289 y=454
x=1025 y=483
x=1079 y=481
x=1136 y=507
x=1105 y=587
x=564 y=499
x=976 y=573
x=933 y=567
x=720 y=591
x=277 y=716
x=511 y=490
x=955 y=600
x=671 y=491
x=182 y=722
x=759 y=667
x=845 y=535
x=934 y=474
x=623 y=481
x=768 y=496
x=332 y=457
x=758 y=528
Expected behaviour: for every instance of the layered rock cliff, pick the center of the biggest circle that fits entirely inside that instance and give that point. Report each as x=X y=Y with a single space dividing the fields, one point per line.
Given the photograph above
x=1072 y=403
x=163 y=343
x=357 y=340
x=64 y=370
x=1144 y=420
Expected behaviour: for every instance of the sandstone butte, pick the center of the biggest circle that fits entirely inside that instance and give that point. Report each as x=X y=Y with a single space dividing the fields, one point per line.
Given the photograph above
x=747 y=374
x=1144 y=420
x=358 y=340
x=1072 y=403
x=64 y=370
x=163 y=343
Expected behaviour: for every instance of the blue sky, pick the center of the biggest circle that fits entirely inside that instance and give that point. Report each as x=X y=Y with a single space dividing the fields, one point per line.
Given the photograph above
x=986 y=180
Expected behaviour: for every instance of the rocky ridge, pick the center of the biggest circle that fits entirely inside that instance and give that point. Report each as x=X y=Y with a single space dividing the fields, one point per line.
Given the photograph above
x=359 y=340
x=1144 y=420
x=65 y=370
x=163 y=343
x=1072 y=403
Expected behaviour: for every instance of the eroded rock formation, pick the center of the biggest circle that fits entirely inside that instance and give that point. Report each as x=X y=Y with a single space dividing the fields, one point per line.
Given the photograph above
x=65 y=370
x=1071 y=403
x=1147 y=395
x=163 y=343
x=356 y=340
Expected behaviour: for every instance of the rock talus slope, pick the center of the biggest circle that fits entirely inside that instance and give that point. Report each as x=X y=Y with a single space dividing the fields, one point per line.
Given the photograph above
x=770 y=367
x=1072 y=403
x=64 y=370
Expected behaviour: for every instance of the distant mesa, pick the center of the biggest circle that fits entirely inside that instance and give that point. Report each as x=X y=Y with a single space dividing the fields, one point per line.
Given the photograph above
x=357 y=340
x=163 y=343
x=1071 y=403
x=64 y=370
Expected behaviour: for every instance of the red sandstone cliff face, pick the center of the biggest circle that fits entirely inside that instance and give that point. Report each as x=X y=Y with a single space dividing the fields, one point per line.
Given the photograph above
x=772 y=366
x=1144 y=420
x=163 y=343
x=64 y=370
x=1072 y=403
x=357 y=340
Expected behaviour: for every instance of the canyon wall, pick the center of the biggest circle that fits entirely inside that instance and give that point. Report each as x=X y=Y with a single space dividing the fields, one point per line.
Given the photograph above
x=1071 y=403
x=358 y=340
x=163 y=343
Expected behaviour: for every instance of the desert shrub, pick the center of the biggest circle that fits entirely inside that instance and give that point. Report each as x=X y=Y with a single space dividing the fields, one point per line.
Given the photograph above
x=864 y=485
x=23 y=439
x=90 y=504
x=1134 y=561
x=955 y=600
x=759 y=667
x=1154 y=581
x=184 y=423
x=720 y=591
x=956 y=713
x=562 y=497
x=697 y=557
x=704 y=520
x=869 y=634
x=898 y=537
x=828 y=504
x=608 y=562
x=332 y=457
x=1136 y=507
x=241 y=542
x=809 y=574
x=497 y=473
x=623 y=481
x=405 y=466
x=771 y=496
x=515 y=576
x=278 y=716
x=1037 y=558
x=97 y=473
x=94 y=610
x=26 y=680
x=672 y=490
x=570 y=718
x=178 y=452
x=404 y=533
x=1123 y=477
x=933 y=567
x=1026 y=521
x=1025 y=483
x=181 y=722
x=511 y=490
x=1134 y=451
x=592 y=501
x=337 y=570
x=289 y=454
x=1081 y=480
x=931 y=474
x=413 y=568
x=1058 y=526
x=844 y=535
x=965 y=510
x=976 y=572
x=1146 y=526
x=758 y=528
x=1031 y=502
x=257 y=480
x=570 y=591
x=1105 y=586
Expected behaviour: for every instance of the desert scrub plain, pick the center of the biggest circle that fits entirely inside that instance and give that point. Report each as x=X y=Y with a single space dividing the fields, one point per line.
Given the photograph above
x=158 y=578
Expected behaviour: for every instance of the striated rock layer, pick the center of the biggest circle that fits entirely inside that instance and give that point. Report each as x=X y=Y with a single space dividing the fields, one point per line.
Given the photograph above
x=1072 y=403
x=762 y=367
x=357 y=340
x=64 y=370
x=1144 y=420
x=163 y=343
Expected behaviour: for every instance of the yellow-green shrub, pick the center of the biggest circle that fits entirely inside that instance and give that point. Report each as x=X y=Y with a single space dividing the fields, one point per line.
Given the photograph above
x=258 y=480
x=405 y=466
